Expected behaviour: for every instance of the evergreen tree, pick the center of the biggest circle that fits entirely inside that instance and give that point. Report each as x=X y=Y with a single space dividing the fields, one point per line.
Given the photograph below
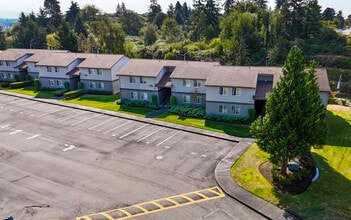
x=312 y=22
x=154 y=9
x=328 y=14
x=295 y=115
x=2 y=39
x=52 y=11
x=339 y=20
x=228 y=4
x=73 y=13
x=67 y=38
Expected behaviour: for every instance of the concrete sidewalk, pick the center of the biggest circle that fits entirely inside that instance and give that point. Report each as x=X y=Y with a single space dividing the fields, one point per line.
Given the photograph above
x=228 y=185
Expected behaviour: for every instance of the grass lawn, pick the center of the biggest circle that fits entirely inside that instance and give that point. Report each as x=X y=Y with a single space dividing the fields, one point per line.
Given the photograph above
x=236 y=130
x=328 y=197
x=30 y=91
x=107 y=102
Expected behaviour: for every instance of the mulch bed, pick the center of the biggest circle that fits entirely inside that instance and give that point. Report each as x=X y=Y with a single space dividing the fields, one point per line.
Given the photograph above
x=297 y=186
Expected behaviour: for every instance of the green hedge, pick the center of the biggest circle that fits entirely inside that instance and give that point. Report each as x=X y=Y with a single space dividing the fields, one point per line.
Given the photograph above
x=138 y=104
x=73 y=94
x=5 y=84
x=227 y=119
x=60 y=92
x=187 y=111
x=99 y=92
x=16 y=85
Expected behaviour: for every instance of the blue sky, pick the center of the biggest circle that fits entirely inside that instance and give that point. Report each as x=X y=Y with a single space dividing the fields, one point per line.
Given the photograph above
x=12 y=8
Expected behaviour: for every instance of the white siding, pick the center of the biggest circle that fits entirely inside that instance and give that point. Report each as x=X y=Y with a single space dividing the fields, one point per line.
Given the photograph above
x=61 y=74
x=177 y=86
x=149 y=86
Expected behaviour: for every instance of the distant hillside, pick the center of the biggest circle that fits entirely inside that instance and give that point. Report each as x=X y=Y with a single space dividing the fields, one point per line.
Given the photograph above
x=7 y=22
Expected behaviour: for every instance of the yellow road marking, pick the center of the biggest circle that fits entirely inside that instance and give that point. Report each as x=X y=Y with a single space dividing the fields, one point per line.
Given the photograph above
x=142 y=208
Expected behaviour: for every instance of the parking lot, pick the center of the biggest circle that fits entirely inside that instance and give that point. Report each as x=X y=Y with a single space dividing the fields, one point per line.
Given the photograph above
x=59 y=162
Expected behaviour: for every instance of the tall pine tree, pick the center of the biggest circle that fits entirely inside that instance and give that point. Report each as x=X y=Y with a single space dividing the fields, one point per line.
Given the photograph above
x=295 y=115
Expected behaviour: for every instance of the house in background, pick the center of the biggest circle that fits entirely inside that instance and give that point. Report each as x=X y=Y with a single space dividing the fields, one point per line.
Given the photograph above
x=188 y=81
x=31 y=62
x=11 y=63
x=58 y=68
x=98 y=72
x=140 y=79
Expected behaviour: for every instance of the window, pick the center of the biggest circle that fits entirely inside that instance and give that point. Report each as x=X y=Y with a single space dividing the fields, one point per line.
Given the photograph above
x=101 y=86
x=7 y=63
x=48 y=69
x=223 y=90
x=133 y=95
x=197 y=83
x=1 y=63
x=57 y=69
x=59 y=83
x=92 y=85
x=222 y=109
x=143 y=96
x=10 y=75
x=142 y=80
x=198 y=99
x=132 y=79
x=186 y=82
x=236 y=91
x=4 y=75
x=91 y=71
x=236 y=110
x=51 y=82
x=186 y=98
x=99 y=72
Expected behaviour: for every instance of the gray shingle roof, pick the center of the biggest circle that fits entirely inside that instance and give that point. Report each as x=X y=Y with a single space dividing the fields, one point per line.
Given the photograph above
x=100 y=61
x=59 y=59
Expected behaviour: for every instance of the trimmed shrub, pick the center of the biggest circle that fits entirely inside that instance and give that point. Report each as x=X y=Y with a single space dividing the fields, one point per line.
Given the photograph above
x=154 y=100
x=173 y=100
x=187 y=111
x=73 y=94
x=137 y=103
x=80 y=85
x=28 y=77
x=16 y=85
x=60 y=92
x=5 y=84
x=227 y=119
x=99 y=92
x=252 y=115
x=37 y=85
x=66 y=85
x=17 y=78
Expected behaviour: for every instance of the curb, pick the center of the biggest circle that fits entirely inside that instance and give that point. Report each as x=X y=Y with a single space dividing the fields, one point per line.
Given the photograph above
x=228 y=185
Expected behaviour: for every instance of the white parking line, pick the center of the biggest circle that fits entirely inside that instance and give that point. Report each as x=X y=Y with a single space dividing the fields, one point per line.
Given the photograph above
x=123 y=136
x=49 y=112
x=85 y=120
x=128 y=122
x=150 y=134
x=34 y=136
x=72 y=116
x=15 y=132
x=168 y=138
x=95 y=126
x=69 y=148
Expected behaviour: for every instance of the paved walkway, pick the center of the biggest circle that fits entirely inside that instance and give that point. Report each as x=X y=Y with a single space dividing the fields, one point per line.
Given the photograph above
x=228 y=185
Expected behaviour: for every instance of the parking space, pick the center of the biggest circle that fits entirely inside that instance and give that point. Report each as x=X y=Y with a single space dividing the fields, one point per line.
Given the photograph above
x=61 y=163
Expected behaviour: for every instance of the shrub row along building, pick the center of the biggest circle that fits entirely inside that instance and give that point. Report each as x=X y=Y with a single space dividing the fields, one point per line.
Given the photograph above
x=225 y=90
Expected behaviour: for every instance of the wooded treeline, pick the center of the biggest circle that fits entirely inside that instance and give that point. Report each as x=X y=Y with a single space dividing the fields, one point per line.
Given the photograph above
x=231 y=31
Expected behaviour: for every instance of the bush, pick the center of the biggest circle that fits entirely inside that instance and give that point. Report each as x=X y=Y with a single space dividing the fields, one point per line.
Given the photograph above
x=99 y=92
x=188 y=111
x=17 y=78
x=154 y=100
x=5 y=84
x=331 y=100
x=173 y=100
x=16 y=85
x=60 y=92
x=37 y=85
x=137 y=103
x=252 y=115
x=80 y=85
x=227 y=119
x=28 y=77
x=73 y=94
x=66 y=85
